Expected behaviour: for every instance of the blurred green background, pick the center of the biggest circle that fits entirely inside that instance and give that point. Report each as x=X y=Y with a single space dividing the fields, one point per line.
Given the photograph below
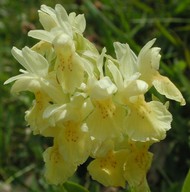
x=131 y=21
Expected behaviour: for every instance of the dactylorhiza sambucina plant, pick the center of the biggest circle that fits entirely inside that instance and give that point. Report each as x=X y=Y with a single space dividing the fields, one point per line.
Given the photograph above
x=92 y=104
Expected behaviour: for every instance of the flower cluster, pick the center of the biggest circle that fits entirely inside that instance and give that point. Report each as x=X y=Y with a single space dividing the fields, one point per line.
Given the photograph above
x=93 y=104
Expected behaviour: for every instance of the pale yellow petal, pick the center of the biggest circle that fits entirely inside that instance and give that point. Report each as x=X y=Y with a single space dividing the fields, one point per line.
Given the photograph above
x=101 y=148
x=137 y=163
x=68 y=66
x=106 y=121
x=57 y=171
x=148 y=121
x=48 y=21
x=74 y=143
x=108 y=170
x=34 y=116
x=126 y=58
x=165 y=87
x=148 y=61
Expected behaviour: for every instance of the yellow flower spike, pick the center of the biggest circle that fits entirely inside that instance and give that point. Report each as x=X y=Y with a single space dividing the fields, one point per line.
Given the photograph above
x=57 y=171
x=147 y=121
x=137 y=163
x=74 y=142
x=108 y=170
x=92 y=104
x=68 y=66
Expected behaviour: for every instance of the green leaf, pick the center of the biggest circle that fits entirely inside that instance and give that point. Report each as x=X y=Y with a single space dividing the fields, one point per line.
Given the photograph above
x=73 y=187
x=186 y=184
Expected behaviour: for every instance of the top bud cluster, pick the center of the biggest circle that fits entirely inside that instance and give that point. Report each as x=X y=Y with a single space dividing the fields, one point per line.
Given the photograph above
x=93 y=104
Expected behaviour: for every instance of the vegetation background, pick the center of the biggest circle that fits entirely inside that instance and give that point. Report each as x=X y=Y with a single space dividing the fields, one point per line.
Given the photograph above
x=131 y=21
